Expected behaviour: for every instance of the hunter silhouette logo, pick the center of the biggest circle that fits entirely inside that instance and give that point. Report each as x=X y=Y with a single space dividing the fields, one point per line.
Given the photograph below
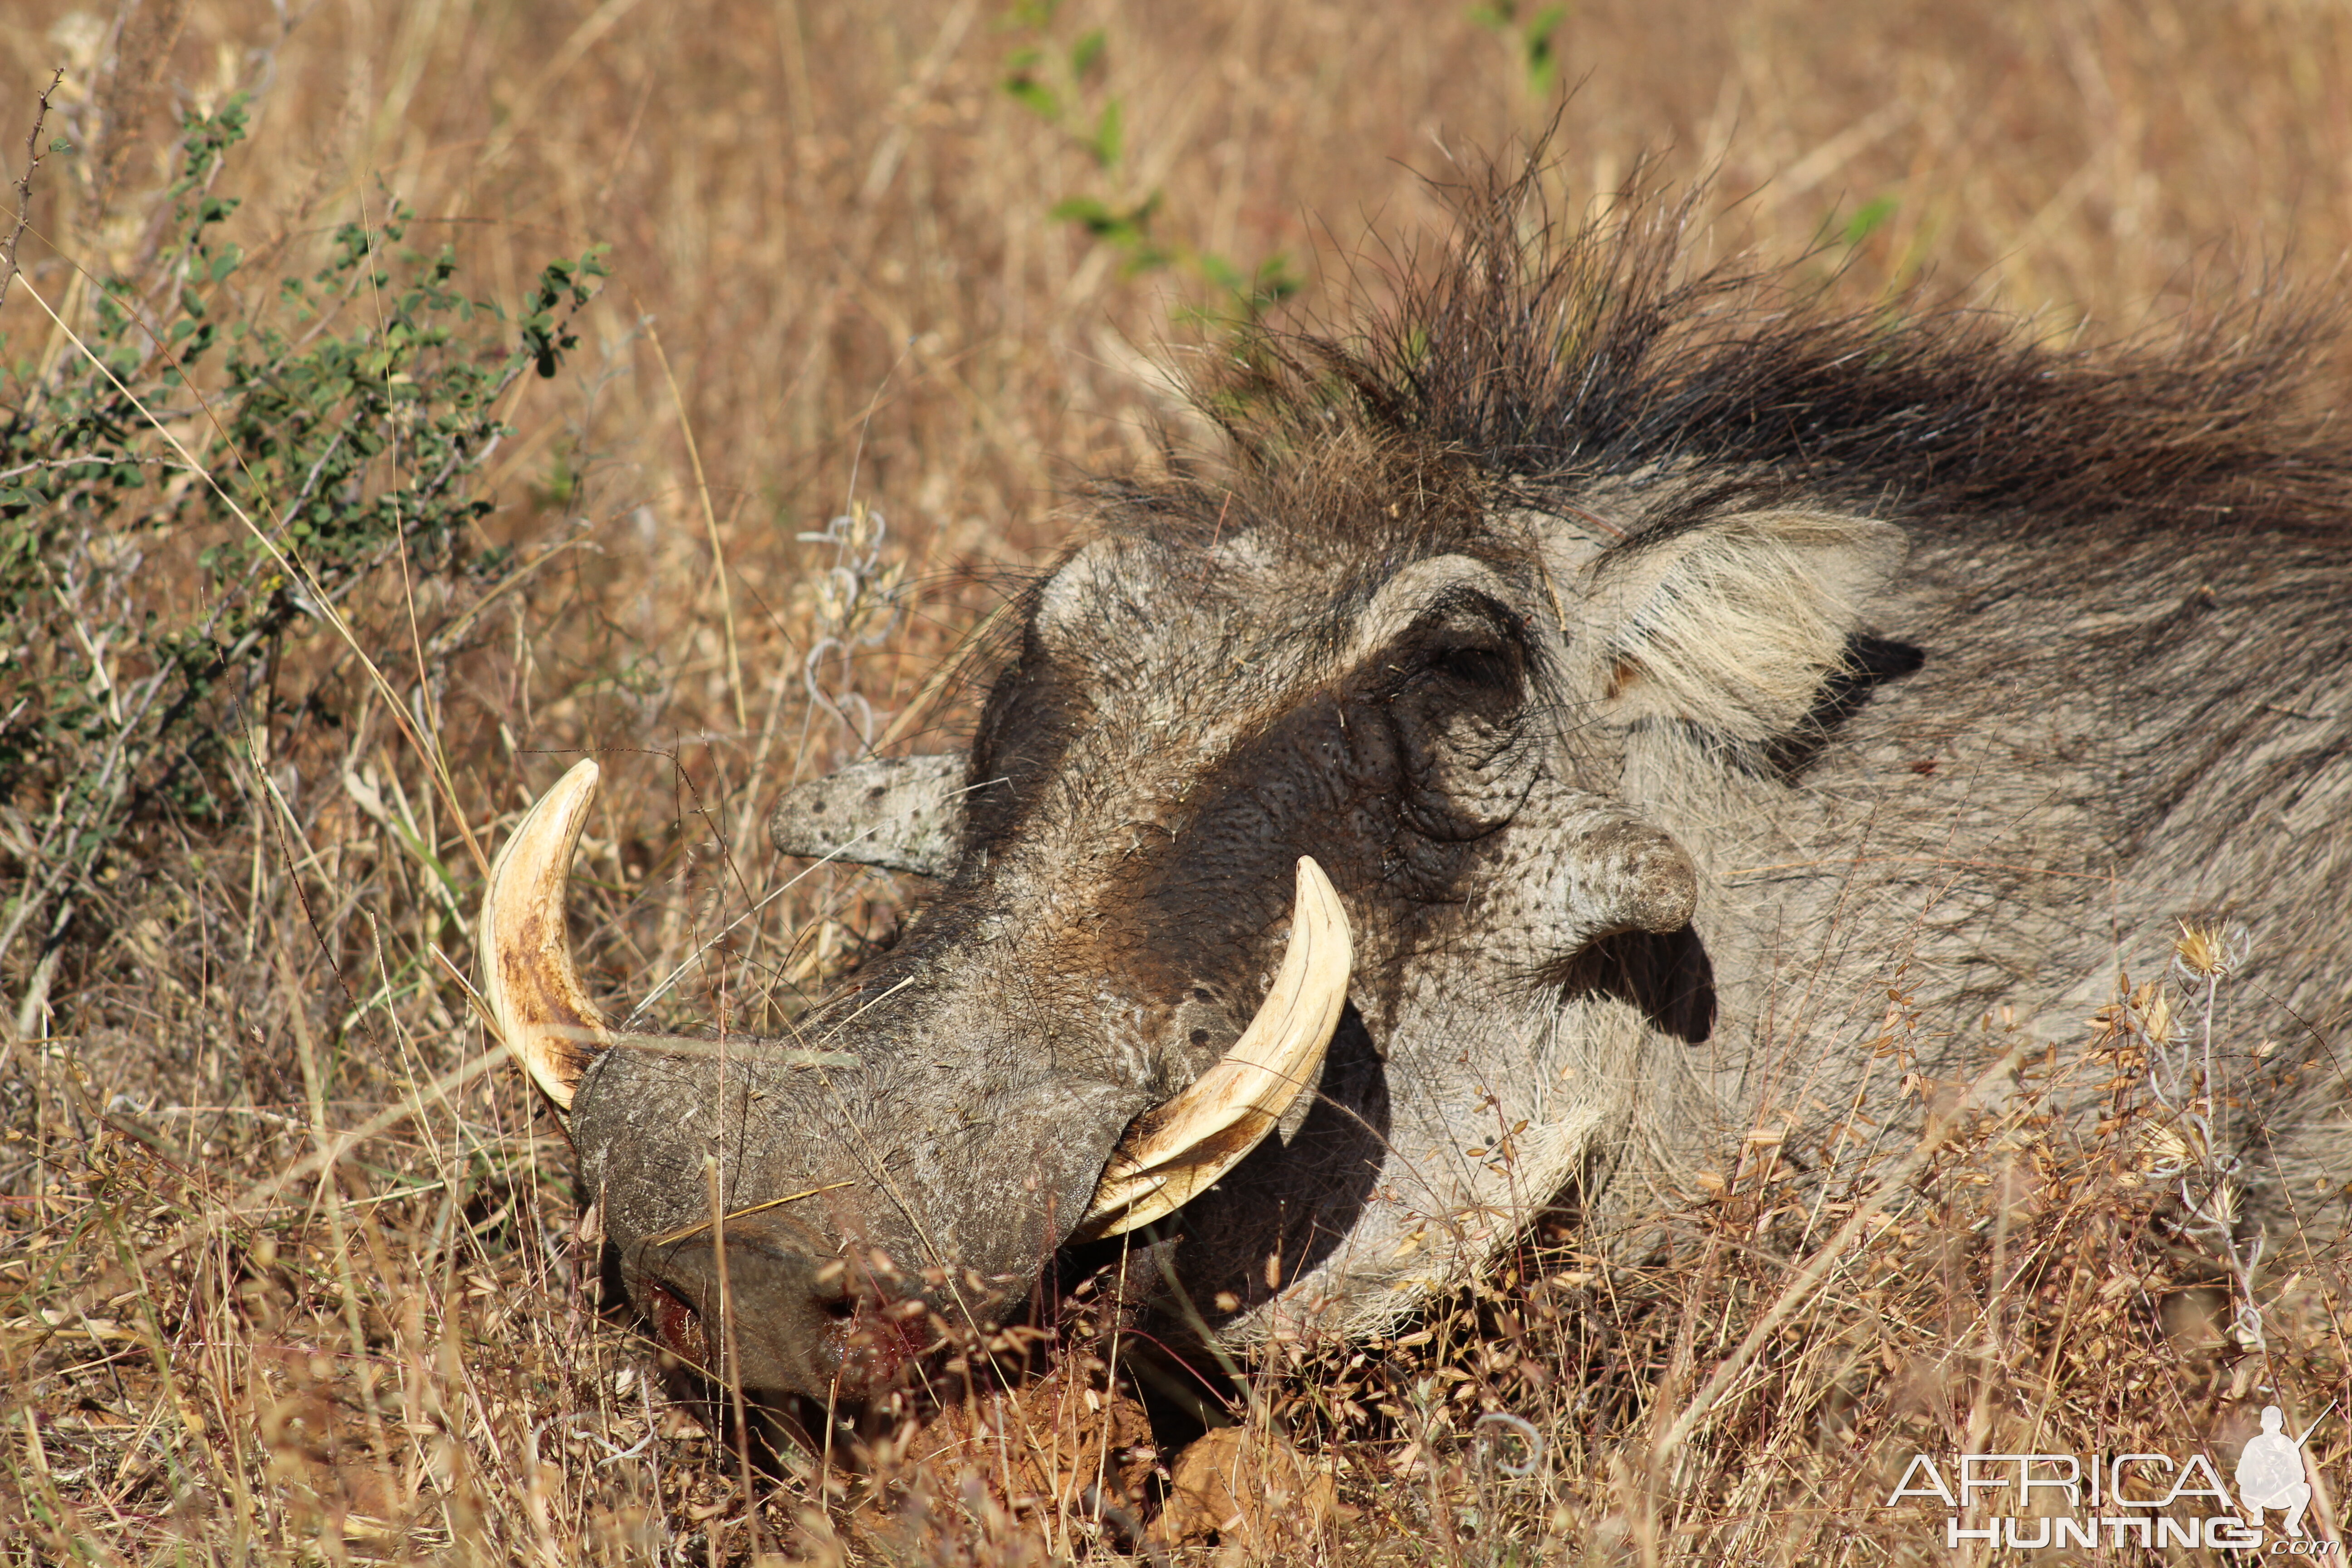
x=2270 y=1472
x=2148 y=1500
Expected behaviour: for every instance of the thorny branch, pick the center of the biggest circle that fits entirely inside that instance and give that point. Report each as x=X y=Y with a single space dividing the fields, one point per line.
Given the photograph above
x=8 y=266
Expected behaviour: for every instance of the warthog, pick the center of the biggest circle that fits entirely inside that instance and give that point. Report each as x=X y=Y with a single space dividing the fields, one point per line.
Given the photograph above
x=1529 y=756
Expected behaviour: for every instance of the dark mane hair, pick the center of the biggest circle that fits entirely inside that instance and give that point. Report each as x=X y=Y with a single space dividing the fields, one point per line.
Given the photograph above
x=1537 y=357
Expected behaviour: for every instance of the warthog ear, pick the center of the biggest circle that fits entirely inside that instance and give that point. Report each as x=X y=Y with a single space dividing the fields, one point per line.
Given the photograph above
x=1732 y=624
x=903 y=814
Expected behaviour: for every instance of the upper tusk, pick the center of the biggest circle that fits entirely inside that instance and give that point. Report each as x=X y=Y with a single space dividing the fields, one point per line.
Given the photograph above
x=1179 y=1149
x=534 y=994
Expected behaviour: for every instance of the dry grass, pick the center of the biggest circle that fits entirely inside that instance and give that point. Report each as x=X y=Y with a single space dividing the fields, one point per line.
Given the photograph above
x=284 y=1259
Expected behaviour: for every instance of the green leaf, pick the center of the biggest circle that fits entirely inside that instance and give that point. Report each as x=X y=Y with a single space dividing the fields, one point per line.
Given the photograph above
x=1088 y=52
x=1086 y=210
x=1543 y=55
x=1036 y=95
x=1105 y=144
x=1873 y=217
x=1275 y=281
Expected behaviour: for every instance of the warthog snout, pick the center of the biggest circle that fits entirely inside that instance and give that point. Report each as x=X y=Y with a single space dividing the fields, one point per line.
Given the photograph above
x=822 y=1291
x=807 y=1318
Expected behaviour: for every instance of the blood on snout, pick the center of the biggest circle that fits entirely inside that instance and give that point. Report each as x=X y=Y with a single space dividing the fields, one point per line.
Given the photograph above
x=678 y=1327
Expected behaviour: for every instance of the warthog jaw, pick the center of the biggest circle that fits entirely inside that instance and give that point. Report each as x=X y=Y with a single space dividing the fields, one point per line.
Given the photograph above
x=1169 y=1155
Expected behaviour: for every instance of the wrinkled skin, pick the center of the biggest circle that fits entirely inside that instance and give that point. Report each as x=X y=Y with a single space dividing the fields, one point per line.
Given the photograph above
x=1642 y=787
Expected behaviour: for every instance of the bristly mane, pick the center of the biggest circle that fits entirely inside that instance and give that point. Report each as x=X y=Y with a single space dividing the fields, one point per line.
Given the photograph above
x=1531 y=358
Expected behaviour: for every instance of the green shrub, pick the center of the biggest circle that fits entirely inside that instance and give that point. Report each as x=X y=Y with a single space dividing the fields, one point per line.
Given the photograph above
x=276 y=450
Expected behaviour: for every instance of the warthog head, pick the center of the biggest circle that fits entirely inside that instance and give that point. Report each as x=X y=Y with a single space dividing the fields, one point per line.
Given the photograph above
x=1535 y=749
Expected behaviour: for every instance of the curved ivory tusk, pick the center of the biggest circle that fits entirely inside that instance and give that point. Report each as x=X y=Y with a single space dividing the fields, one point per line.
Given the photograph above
x=1178 y=1149
x=535 y=996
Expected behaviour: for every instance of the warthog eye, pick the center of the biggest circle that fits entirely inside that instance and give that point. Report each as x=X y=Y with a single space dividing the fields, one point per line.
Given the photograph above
x=1486 y=669
x=1466 y=641
x=1469 y=648
x=1456 y=695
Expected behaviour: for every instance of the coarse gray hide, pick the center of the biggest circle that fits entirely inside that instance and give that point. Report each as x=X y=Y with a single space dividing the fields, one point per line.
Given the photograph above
x=1665 y=674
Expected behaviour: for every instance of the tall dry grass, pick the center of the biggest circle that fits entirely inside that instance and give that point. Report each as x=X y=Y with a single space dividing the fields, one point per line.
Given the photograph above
x=286 y=1273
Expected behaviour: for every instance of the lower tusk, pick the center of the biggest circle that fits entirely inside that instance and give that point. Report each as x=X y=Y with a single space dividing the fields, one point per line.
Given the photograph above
x=534 y=994
x=1177 y=1150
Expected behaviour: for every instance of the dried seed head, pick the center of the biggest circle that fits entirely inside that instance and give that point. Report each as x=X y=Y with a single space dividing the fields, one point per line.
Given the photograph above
x=2202 y=951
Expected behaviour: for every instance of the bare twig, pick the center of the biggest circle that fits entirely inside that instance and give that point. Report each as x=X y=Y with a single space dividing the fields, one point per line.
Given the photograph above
x=8 y=265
